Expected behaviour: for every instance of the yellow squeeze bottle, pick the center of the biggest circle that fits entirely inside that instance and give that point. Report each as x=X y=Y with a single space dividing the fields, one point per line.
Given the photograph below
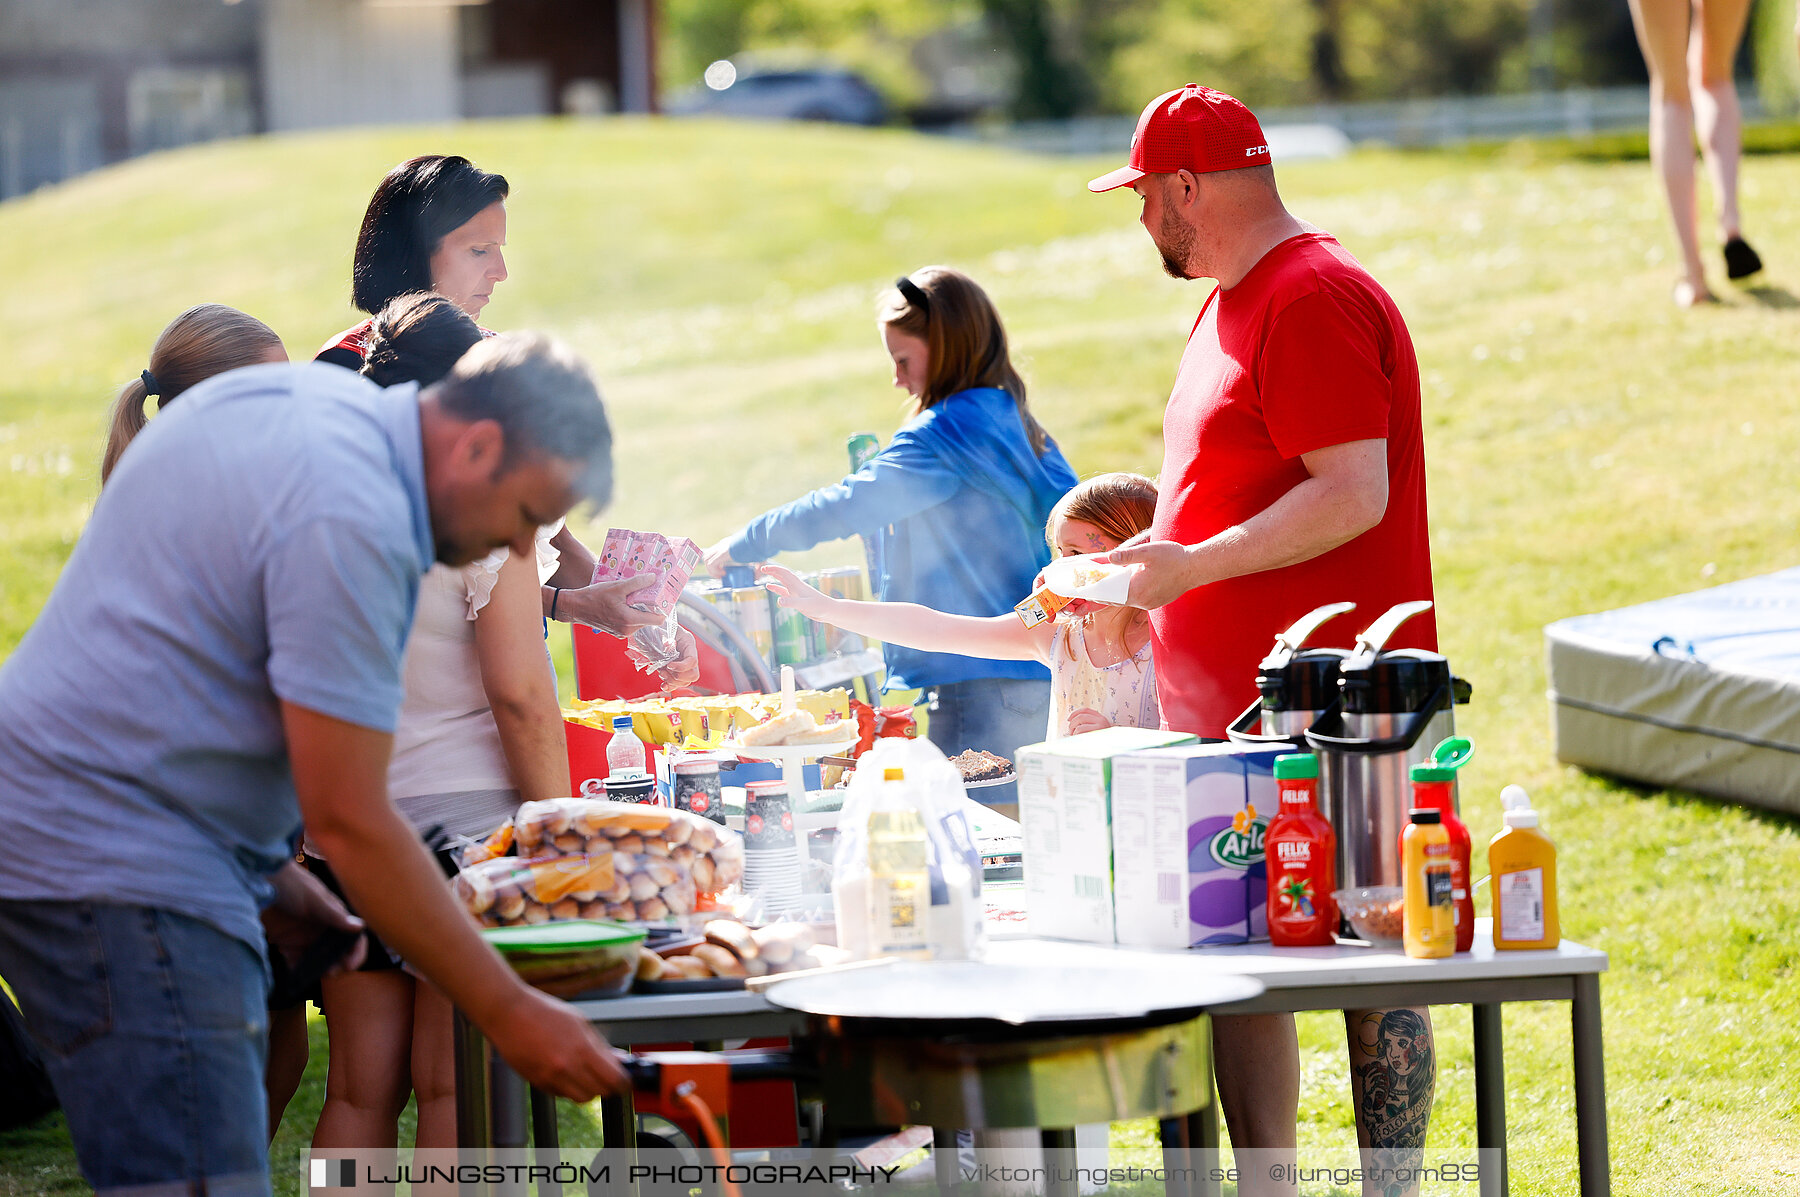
x=1427 y=886
x=1522 y=868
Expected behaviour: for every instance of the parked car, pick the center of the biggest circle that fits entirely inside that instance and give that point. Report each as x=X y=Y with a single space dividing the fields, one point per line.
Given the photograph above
x=808 y=94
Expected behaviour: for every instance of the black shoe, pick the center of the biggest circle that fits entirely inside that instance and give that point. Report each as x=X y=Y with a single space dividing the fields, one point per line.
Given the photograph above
x=1740 y=260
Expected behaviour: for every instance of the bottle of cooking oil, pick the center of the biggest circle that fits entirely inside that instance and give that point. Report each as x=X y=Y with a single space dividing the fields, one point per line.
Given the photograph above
x=899 y=874
x=1522 y=865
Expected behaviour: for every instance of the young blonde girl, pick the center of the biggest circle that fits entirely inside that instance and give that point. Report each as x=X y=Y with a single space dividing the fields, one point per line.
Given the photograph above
x=1100 y=666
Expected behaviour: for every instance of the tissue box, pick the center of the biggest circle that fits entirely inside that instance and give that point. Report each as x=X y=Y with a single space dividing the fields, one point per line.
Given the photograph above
x=1065 y=819
x=1188 y=827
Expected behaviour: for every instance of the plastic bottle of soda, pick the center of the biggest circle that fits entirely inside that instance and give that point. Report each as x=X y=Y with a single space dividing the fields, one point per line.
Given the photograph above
x=1301 y=854
x=1431 y=782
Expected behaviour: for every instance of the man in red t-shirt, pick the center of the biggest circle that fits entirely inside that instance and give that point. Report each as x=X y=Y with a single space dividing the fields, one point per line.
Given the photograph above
x=1293 y=476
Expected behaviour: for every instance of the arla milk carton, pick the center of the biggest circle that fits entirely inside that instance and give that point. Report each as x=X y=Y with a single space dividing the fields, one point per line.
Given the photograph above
x=1188 y=826
x=1065 y=819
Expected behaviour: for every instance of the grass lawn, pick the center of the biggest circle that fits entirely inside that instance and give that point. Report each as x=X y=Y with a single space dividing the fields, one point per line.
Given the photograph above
x=1588 y=446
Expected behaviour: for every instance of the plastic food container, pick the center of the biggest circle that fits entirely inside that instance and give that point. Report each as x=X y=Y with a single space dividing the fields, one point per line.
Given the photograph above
x=572 y=958
x=1375 y=911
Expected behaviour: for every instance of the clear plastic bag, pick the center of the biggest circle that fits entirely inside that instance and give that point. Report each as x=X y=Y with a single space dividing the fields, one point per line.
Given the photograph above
x=665 y=563
x=950 y=926
x=592 y=859
x=654 y=649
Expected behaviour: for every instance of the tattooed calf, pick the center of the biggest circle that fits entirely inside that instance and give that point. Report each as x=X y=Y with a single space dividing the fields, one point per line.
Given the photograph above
x=1395 y=1067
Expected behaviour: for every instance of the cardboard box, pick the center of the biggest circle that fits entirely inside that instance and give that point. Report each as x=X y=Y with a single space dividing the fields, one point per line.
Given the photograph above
x=1065 y=818
x=1188 y=827
x=670 y=560
x=1041 y=607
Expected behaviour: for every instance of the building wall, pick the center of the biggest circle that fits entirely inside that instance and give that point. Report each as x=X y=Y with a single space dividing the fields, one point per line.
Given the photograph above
x=347 y=62
x=87 y=82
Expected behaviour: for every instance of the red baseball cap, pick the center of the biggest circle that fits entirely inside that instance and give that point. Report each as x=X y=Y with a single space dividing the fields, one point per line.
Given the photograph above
x=1191 y=128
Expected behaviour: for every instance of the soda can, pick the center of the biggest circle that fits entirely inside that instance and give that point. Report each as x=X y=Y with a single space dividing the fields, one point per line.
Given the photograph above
x=716 y=597
x=844 y=582
x=750 y=608
x=862 y=447
x=792 y=645
x=818 y=635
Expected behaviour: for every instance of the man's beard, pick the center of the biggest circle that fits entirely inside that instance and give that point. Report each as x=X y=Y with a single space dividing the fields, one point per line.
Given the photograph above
x=1175 y=241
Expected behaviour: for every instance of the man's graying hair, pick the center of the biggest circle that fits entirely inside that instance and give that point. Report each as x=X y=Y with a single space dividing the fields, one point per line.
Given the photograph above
x=543 y=398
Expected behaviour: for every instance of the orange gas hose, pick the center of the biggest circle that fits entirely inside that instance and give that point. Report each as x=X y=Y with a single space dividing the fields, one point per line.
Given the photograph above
x=709 y=1130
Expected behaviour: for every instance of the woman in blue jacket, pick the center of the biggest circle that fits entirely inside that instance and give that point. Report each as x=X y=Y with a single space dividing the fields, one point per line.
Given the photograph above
x=953 y=509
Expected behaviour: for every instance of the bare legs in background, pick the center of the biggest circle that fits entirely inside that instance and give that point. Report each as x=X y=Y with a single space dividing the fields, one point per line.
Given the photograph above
x=1688 y=47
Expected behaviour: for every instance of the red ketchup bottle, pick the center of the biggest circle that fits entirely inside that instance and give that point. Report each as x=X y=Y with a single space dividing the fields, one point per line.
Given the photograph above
x=1300 y=851
x=1431 y=783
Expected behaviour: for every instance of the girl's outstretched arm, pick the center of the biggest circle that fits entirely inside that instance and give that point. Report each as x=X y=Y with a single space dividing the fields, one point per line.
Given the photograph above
x=1000 y=637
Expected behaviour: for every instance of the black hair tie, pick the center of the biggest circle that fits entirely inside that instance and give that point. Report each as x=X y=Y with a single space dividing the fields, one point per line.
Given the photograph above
x=910 y=292
x=150 y=384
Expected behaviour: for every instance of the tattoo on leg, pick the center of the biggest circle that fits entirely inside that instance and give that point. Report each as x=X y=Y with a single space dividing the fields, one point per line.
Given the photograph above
x=1396 y=1067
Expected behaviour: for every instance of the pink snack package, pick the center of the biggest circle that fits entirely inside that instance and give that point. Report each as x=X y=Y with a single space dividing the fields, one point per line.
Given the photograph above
x=610 y=561
x=629 y=554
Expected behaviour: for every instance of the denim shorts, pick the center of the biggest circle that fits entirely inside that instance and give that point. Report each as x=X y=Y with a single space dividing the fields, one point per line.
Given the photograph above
x=152 y=1027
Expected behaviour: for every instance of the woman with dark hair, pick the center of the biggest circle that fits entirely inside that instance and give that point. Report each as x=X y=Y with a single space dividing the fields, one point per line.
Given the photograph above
x=953 y=509
x=438 y=223
x=435 y=223
x=480 y=730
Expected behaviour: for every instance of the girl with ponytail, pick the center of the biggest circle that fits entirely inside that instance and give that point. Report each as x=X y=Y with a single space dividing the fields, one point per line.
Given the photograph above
x=201 y=342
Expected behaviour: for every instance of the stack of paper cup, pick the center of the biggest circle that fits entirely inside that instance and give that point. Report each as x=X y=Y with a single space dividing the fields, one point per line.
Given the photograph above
x=771 y=860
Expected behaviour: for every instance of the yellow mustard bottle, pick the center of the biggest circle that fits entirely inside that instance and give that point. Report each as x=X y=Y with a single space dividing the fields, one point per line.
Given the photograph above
x=1428 y=886
x=1522 y=878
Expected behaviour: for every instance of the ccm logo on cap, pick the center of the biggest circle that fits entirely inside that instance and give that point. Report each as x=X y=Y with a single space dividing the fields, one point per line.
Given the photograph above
x=1254 y=150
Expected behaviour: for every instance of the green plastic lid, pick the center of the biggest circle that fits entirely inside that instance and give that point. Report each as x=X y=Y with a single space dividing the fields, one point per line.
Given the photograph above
x=567 y=935
x=1444 y=760
x=1296 y=765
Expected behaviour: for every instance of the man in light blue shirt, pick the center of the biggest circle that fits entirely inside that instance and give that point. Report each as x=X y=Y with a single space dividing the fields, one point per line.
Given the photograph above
x=221 y=656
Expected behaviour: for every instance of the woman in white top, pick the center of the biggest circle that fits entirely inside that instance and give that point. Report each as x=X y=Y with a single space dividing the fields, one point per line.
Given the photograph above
x=480 y=731
x=1101 y=674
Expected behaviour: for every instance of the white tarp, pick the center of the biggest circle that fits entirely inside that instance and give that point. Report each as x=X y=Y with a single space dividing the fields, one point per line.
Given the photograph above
x=1698 y=692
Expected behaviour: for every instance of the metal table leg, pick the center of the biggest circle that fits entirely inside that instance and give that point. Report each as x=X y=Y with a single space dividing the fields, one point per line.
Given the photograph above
x=545 y=1138
x=1490 y=1095
x=1059 y=1161
x=1590 y=1087
x=944 y=1157
x=506 y=1109
x=474 y=1122
x=618 y=1134
x=474 y=1084
x=1172 y=1133
x=1203 y=1139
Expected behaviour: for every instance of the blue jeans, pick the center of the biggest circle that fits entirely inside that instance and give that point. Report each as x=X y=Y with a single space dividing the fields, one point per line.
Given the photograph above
x=997 y=714
x=152 y=1027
